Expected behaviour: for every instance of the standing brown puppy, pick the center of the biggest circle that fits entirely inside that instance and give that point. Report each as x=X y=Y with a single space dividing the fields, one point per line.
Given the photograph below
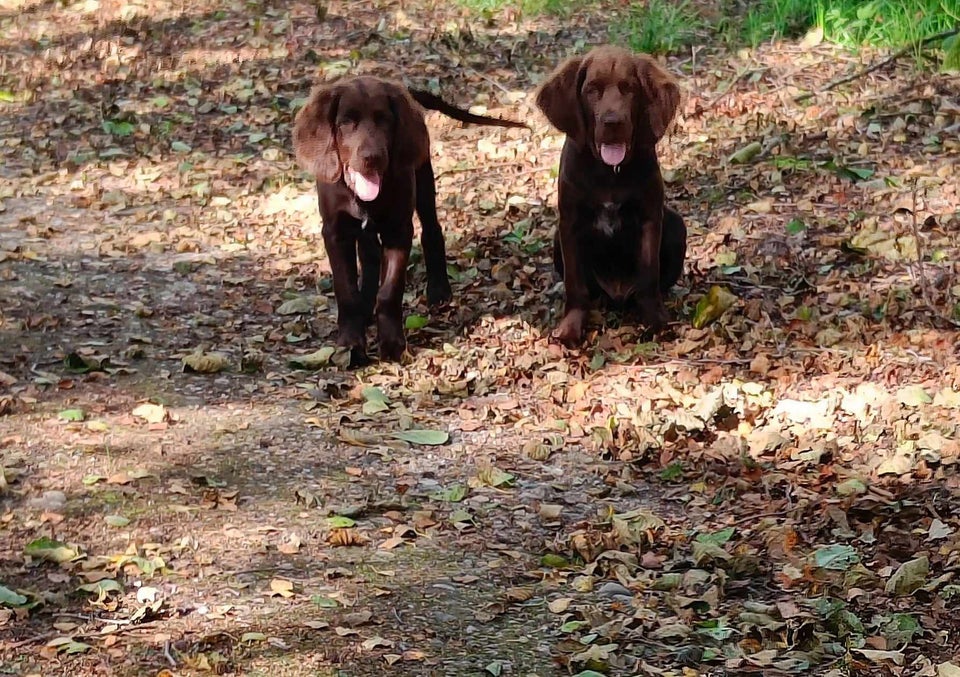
x=365 y=141
x=615 y=239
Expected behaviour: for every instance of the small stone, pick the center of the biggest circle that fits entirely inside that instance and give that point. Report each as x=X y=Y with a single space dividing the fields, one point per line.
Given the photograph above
x=50 y=500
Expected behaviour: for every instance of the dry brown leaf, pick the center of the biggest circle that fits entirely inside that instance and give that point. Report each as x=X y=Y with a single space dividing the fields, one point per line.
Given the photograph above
x=291 y=546
x=345 y=537
x=281 y=587
x=519 y=594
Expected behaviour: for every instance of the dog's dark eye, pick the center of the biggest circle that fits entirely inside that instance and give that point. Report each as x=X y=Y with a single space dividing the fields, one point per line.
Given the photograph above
x=625 y=87
x=381 y=119
x=591 y=89
x=349 y=120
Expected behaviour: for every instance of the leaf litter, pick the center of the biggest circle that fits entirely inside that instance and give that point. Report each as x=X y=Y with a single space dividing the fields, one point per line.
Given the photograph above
x=769 y=486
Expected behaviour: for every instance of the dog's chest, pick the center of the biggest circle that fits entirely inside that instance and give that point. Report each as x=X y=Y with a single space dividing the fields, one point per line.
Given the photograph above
x=361 y=213
x=609 y=219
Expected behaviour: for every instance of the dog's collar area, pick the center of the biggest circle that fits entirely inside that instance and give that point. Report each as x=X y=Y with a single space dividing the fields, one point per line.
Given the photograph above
x=616 y=169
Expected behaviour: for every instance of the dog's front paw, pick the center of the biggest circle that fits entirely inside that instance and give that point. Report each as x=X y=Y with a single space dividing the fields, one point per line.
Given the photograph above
x=391 y=348
x=357 y=345
x=439 y=292
x=653 y=313
x=570 y=330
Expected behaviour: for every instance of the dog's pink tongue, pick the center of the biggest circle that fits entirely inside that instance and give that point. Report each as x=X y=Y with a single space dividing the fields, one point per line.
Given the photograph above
x=613 y=153
x=366 y=187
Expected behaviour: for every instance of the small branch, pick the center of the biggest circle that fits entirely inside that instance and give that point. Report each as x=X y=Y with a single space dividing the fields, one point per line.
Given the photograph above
x=166 y=653
x=532 y=170
x=471 y=168
x=737 y=78
x=472 y=71
x=89 y=618
x=486 y=77
x=479 y=175
x=787 y=79
x=31 y=640
x=833 y=84
x=924 y=288
x=762 y=516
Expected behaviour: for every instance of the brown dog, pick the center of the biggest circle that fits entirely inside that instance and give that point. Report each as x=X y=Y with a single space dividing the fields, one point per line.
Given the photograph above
x=615 y=238
x=366 y=142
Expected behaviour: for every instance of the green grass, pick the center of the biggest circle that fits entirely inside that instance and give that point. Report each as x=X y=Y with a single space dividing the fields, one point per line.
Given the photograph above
x=488 y=9
x=776 y=19
x=663 y=26
x=885 y=23
x=672 y=26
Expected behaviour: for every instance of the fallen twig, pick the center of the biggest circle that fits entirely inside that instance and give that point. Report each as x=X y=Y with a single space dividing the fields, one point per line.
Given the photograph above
x=166 y=653
x=761 y=516
x=89 y=618
x=30 y=640
x=833 y=84
x=737 y=78
x=921 y=275
x=472 y=71
x=470 y=168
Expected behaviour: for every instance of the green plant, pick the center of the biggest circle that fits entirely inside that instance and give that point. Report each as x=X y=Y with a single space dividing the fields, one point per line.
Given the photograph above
x=660 y=26
x=489 y=8
x=118 y=127
x=776 y=19
x=885 y=23
x=851 y=23
x=522 y=238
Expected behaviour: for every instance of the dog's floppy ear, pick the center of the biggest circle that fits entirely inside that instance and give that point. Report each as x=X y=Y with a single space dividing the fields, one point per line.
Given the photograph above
x=411 y=140
x=559 y=99
x=314 y=136
x=662 y=96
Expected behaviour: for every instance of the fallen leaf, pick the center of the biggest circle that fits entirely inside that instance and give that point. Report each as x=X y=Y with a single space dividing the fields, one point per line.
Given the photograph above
x=291 y=546
x=425 y=437
x=10 y=598
x=375 y=642
x=746 y=153
x=205 y=363
x=53 y=551
x=494 y=477
x=375 y=401
x=340 y=522
x=151 y=413
x=711 y=306
x=836 y=557
x=298 y=305
x=908 y=577
x=67 y=645
x=281 y=587
x=913 y=396
x=324 y=357
x=71 y=415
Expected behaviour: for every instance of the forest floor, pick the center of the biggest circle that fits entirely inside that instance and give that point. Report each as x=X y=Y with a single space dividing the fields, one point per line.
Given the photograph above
x=773 y=493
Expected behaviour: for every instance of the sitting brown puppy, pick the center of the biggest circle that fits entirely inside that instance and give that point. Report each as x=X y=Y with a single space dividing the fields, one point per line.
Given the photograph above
x=366 y=142
x=616 y=239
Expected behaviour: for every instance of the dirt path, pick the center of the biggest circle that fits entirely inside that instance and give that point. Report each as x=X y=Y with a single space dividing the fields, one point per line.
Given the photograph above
x=775 y=492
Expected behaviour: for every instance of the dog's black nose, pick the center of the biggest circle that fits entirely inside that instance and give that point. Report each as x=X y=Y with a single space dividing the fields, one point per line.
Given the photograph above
x=370 y=155
x=612 y=118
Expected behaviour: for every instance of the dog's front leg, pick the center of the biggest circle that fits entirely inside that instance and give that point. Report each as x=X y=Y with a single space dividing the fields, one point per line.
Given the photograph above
x=649 y=296
x=368 y=248
x=431 y=238
x=576 y=291
x=340 y=240
x=389 y=310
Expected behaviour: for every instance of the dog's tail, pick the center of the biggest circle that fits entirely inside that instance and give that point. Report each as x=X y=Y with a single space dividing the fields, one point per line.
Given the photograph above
x=434 y=102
